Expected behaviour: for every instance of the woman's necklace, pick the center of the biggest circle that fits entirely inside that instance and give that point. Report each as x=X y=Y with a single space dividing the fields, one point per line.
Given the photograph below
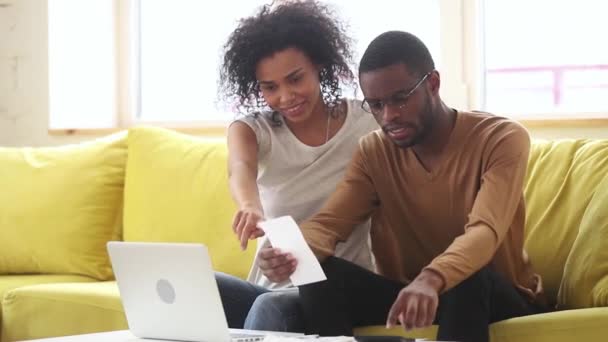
x=328 y=127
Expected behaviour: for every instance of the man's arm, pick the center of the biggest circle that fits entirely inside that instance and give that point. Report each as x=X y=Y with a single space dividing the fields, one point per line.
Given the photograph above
x=351 y=204
x=493 y=210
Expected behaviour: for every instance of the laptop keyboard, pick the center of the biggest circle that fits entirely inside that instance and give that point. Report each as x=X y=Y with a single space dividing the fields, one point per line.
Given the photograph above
x=246 y=338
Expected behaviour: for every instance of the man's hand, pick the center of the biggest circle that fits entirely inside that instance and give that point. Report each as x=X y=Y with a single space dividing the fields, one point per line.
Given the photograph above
x=245 y=225
x=416 y=304
x=276 y=265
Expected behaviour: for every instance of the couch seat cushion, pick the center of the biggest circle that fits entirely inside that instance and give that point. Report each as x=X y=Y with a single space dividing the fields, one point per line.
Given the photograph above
x=10 y=282
x=561 y=326
x=49 y=310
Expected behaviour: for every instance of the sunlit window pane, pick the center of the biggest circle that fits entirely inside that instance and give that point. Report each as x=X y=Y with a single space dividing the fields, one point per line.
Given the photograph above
x=546 y=56
x=82 y=63
x=181 y=48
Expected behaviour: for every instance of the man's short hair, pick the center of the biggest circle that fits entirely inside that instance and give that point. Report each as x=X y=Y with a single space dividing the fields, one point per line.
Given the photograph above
x=394 y=47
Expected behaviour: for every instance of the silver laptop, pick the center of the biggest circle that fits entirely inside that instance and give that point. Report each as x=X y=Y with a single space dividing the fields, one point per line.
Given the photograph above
x=169 y=292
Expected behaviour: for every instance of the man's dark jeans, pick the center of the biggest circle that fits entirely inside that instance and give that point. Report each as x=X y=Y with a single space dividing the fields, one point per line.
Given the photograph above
x=353 y=296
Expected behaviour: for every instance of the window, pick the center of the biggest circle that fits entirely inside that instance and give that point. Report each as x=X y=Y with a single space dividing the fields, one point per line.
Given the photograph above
x=180 y=48
x=122 y=62
x=179 y=56
x=545 y=58
x=366 y=22
x=153 y=61
x=82 y=64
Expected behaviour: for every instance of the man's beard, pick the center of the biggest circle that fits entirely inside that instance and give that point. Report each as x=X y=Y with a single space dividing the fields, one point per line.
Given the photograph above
x=427 y=122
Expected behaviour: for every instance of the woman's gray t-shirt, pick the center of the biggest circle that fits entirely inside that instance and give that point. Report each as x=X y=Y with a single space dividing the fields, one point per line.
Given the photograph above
x=296 y=179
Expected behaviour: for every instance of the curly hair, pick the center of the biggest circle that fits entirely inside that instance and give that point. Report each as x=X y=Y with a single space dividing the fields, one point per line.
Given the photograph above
x=306 y=25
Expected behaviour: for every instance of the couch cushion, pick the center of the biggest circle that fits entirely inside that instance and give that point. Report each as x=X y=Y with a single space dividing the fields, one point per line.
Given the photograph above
x=585 y=281
x=60 y=205
x=176 y=190
x=562 y=326
x=39 y=311
x=9 y=282
x=561 y=180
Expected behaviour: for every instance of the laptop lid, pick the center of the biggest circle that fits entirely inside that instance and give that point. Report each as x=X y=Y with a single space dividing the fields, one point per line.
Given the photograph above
x=168 y=291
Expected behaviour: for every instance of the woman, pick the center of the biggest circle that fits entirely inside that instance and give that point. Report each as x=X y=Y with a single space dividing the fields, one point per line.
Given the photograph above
x=291 y=144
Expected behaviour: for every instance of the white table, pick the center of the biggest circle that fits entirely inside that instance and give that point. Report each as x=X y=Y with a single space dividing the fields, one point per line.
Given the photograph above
x=109 y=336
x=120 y=336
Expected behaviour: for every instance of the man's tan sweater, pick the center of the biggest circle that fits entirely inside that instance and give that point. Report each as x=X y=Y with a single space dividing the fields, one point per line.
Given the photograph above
x=466 y=213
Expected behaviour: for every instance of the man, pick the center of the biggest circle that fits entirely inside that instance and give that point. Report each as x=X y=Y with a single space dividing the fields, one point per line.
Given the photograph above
x=444 y=191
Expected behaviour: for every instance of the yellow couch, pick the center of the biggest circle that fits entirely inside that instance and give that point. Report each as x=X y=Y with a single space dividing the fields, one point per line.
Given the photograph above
x=59 y=206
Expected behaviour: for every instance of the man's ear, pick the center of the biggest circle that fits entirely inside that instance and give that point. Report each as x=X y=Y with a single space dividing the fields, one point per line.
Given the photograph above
x=434 y=81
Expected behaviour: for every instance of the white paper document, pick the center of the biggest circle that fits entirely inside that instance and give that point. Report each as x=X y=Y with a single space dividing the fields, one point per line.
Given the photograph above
x=284 y=233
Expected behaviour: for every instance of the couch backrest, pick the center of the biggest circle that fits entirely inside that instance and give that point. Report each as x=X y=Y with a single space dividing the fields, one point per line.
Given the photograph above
x=60 y=205
x=176 y=190
x=562 y=178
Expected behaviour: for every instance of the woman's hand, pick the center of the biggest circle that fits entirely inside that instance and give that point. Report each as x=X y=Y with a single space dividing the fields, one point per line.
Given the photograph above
x=245 y=225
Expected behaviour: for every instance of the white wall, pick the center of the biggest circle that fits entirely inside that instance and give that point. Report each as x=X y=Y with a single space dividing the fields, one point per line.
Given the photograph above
x=23 y=75
x=24 y=81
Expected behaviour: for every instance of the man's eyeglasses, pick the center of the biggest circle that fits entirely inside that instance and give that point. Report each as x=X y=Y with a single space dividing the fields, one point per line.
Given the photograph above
x=399 y=99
